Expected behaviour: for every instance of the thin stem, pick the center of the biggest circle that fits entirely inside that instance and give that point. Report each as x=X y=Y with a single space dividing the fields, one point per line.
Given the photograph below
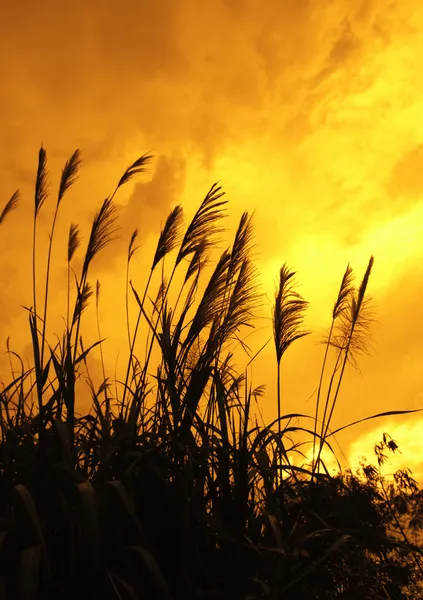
x=338 y=387
x=50 y=245
x=319 y=391
x=324 y=429
x=132 y=345
x=34 y=294
x=279 y=475
x=106 y=397
x=144 y=373
x=127 y=305
x=68 y=299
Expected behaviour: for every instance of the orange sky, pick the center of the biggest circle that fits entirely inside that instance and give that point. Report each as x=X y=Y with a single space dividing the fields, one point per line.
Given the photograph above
x=308 y=112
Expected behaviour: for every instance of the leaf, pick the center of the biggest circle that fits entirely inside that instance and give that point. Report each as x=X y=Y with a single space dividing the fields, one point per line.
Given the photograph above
x=37 y=356
x=29 y=573
x=3 y=590
x=84 y=354
x=62 y=437
x=154 y=571
x=69 y=173
x=41 y=183
x=117 y=581
x=384 y=414
x=25 y=502
x=137 y=167
x=340 y=542
x=89 y=521
x=10 y=205
x=124 y=502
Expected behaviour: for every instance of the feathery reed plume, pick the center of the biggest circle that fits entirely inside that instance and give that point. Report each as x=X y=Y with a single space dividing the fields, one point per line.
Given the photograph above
x=362 y=289
x=10 y=205
x=359 y=341
x=287 y=313
x=287 y=317
x=242 y=244
x=355 y=325
x=68 y=178
x=341 y=304
x=188 y=303
x=196 y=265
x=344 y=293
x=169 y=236
x=131 y=251
x=203 y=223
x=69 y=174
x=41 y=182
x=137 y=167
x=240 y=288
x=132 y=248
x=102 y=232
x=210 y=306
x=41 y=193
x=243 y=301
x=97 y=293
x=84 y=295
x=199 y=259
x=74 y=240
x=158 y=303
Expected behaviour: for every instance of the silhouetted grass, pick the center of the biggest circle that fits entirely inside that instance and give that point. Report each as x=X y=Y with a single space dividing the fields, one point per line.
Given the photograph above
x=170 y=488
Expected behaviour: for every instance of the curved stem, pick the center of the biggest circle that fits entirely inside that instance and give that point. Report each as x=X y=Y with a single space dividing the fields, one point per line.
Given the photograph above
x=319 y=390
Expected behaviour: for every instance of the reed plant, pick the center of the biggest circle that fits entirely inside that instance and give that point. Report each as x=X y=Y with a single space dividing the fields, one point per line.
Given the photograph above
x=170 y=487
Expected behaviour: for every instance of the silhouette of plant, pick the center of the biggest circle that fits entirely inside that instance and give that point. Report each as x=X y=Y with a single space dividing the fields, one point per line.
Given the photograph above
x=169 y=488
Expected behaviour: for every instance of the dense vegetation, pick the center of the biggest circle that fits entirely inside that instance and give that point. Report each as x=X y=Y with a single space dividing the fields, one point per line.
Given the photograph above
x=170 y=488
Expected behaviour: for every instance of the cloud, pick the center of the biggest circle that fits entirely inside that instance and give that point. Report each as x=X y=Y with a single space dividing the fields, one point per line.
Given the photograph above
x=406 y=178
x=146 y=210
x=308 y=112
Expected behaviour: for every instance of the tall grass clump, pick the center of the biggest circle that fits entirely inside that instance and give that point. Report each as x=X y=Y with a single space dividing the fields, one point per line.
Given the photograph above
x=169 y=487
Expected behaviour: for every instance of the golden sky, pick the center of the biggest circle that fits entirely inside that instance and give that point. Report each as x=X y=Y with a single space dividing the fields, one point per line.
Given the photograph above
x=308 y=112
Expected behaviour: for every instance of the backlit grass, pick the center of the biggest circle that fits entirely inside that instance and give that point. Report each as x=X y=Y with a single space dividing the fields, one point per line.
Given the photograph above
x=169 y=487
